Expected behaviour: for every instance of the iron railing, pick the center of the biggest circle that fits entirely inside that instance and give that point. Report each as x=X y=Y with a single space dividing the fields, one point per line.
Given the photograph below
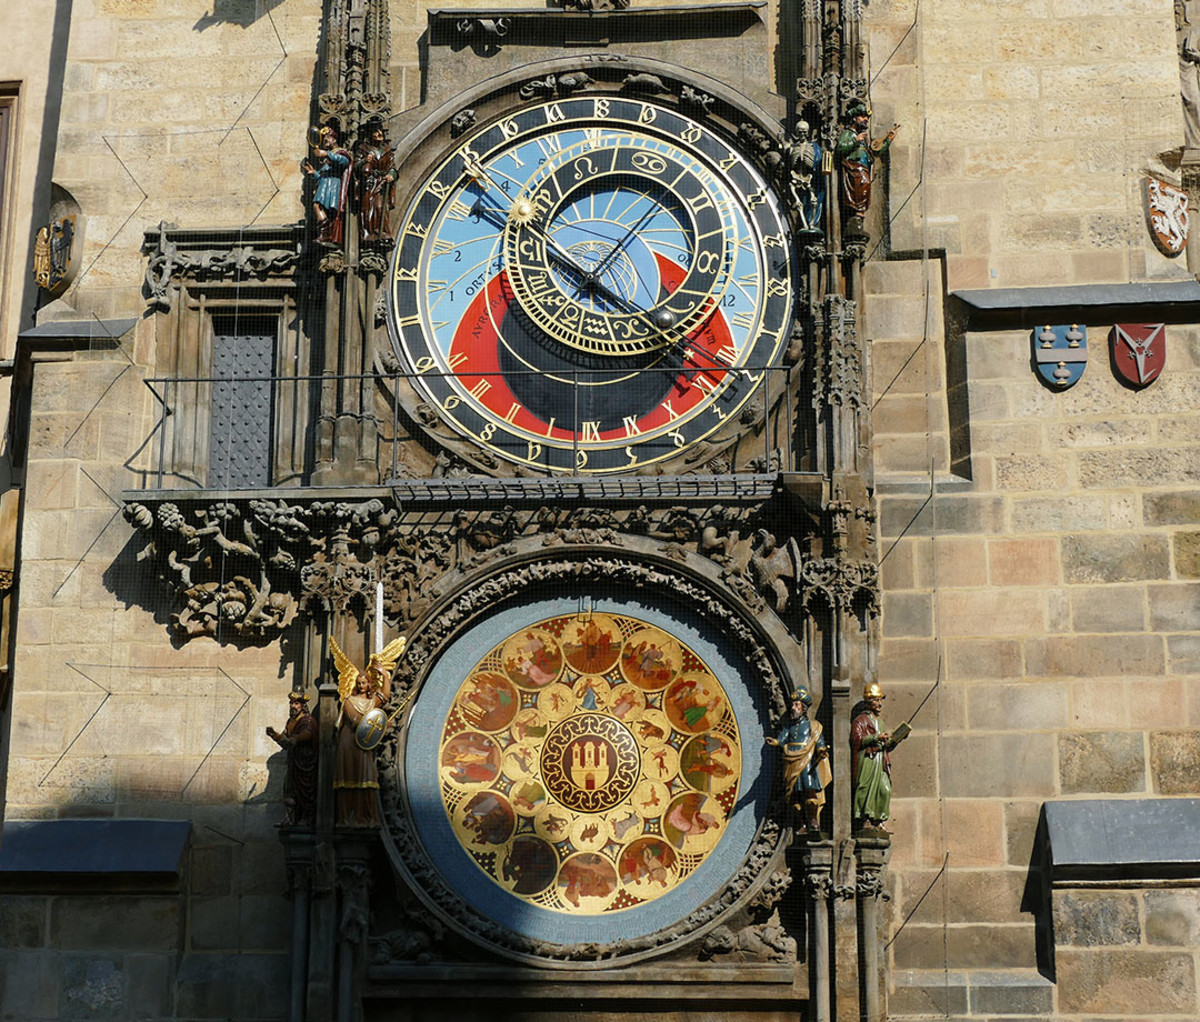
x=291 y=442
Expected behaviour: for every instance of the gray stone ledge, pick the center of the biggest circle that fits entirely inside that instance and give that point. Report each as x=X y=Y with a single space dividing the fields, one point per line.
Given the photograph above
x=113 y=854
x=1079 y=296
x=1123 y=839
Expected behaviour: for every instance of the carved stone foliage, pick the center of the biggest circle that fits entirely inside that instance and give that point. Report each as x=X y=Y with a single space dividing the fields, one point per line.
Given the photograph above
x=357 y=62
x=174 y=254
x=842 y=584
x=240 y=570
x=744 y=891
x=837 y=369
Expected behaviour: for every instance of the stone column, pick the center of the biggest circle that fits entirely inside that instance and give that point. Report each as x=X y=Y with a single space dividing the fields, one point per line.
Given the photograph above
x=354 y=884
x=298 y=850
x=872 y=854
x=818 y=881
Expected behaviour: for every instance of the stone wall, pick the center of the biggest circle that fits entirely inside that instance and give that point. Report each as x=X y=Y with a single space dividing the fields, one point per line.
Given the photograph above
x=1028 y=126
x=110 y=720
x=1052 y=586
x=176 y=111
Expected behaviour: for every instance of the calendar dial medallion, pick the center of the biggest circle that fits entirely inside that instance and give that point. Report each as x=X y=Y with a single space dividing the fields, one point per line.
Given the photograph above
x=590 y=285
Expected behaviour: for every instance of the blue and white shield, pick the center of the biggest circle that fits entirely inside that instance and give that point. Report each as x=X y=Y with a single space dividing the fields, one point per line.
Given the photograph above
x=1060 y=354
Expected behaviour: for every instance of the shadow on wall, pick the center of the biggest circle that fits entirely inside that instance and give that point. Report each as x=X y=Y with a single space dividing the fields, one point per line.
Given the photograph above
x=236 y=12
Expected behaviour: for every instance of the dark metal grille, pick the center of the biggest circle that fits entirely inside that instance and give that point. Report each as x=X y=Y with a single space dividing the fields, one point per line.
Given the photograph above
x=240 y=434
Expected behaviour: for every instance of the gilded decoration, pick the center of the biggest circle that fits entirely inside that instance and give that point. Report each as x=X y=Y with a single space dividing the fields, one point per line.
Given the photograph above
x=589 y=764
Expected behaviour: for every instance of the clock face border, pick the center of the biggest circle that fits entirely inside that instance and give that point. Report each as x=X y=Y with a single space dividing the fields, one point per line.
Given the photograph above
x=417 y=771
x=462 y=388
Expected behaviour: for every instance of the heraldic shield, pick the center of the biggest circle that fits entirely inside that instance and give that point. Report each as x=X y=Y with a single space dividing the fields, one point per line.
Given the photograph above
x=371 y=728
x=1167 y=215
x=1139 y=351
x=1060 y=354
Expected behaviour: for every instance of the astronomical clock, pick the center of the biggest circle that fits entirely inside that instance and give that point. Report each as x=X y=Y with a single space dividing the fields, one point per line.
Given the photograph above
x=590 y=284
x=593 y=277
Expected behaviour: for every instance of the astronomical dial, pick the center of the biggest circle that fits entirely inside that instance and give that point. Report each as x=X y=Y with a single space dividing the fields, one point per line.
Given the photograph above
x=591 y=285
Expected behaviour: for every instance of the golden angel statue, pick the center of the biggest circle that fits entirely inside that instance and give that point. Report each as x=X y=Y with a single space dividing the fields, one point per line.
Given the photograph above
x=361 y=724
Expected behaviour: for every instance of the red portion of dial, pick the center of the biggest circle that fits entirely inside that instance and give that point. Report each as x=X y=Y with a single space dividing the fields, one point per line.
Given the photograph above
x=474 y=358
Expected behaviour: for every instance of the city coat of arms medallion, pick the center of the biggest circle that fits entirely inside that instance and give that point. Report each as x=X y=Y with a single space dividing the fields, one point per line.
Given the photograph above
x=1060 y=354
x=1167 y=213
x=1139 y=352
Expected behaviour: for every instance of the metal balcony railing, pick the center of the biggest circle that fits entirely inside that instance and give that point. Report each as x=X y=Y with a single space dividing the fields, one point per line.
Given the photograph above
x=238 y=433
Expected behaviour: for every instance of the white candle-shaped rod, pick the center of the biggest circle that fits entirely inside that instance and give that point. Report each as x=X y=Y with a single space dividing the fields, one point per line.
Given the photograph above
x=378 y=616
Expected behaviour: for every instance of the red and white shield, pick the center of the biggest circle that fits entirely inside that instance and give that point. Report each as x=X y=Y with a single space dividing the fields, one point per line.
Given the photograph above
x=1167 y=211
x=1139 y=351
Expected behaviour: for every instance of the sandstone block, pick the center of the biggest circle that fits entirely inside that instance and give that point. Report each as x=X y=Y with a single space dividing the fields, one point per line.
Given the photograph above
x=1115 y=557
x=1095 y=656
x=920 y=992
x=30 y=982
x=1101 y=761
x=1023 y=562
x=1175 y=608
x=975 y=832
x=1172 y=917
x=904 y=413
x=1032 y=472
x=897 y=570
x=1099 y=704
x=895 y=367
x=264 y=923
x=86 y=922
x=1175 y=762
x=1125 y=981
x=1095 y=918
x=1184 y=653
x=991 y=946
x=94 y=988
x=210 y=871
x=997 y=765
x=907 y=614
x=1149 y=467
x=969 y=896
x=22 y=921
x=909 y=453
x=1155 y=703
x=1186 y=549
x=983 y=659
x=907 y=659
x=954 y=561
x=1178 y=507
x=150 y=977
x=991 y=612
x=1108 y=608
x=217 y=986
x=1020 y=825
x=1022 y=992
x=1018 y=706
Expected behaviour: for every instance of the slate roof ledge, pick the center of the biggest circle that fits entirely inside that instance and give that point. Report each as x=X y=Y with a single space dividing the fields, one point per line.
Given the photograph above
x=88 y=855
x=1117 y=840
x=1091 y=304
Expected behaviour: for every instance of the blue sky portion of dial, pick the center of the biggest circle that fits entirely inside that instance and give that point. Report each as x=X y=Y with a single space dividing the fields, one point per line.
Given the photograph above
x=469 y=230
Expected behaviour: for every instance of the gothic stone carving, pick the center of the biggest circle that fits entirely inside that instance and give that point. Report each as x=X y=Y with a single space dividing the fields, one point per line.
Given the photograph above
x=241 y=570
x=174 y=254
